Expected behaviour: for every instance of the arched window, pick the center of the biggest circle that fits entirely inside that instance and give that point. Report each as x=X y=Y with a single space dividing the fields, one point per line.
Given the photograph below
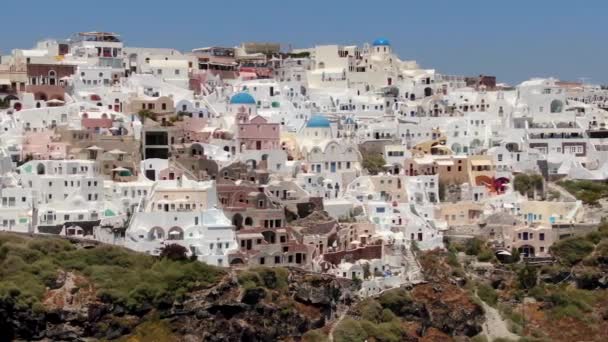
x=40 y=169
x=249 y=221
x=52 y=77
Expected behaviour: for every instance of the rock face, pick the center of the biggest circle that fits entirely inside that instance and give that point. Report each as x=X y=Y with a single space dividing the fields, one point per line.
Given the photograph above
x=449 y=309
x=225 y=312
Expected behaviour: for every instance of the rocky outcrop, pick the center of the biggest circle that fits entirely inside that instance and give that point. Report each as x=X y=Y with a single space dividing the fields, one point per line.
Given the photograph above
x=449 y=309
x=225 y=312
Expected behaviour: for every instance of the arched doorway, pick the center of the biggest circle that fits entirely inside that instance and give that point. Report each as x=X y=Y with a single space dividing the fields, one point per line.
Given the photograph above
x=526 y=251
x=237 y=221
x=156 y=233
x=428 y=91
x=40 y=169
x=269 y=236
x=175 y=233
x=237 y=261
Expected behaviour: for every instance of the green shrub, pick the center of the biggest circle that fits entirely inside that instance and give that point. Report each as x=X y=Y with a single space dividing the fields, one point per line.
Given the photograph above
x=479 y=338
x=370 y=310
x=388 y=315
x=397 y=300
x=572 y=250
x=587 y=191
x=487 y=294
x=373 y=162
x=485 y=255
x=452 y=259
x=473 y=246
x=122 y=276
x=349 y=330
x=270 y=278
x=527 y=277
x=314 y=336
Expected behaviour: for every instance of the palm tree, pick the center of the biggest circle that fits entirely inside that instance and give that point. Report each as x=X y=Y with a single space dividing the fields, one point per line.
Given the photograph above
x=537 y=183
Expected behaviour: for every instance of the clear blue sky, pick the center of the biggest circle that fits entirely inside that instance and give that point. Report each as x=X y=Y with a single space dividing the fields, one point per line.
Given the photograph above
x=512 y=39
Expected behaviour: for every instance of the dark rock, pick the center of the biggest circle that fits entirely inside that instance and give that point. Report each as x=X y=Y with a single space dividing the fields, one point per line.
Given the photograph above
x=253 y=296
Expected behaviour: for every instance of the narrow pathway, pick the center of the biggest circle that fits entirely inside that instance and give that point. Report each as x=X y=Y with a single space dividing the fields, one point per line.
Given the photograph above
x=495 y=326
x=335 y=324
x=565 y=195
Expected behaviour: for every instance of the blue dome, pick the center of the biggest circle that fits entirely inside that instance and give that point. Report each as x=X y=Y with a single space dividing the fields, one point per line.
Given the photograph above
x=242 y=98
x=381 y=42
x=317 y=121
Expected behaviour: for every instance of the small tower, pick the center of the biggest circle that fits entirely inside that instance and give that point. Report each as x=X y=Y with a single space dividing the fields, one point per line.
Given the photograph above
x=349 y=127
x=381 y=47
x=242 y=103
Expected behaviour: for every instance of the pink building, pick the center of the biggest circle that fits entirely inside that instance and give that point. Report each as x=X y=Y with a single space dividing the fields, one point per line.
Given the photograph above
x=171 y=173
x=43 y=145
x=96 y=124
x=258 y=134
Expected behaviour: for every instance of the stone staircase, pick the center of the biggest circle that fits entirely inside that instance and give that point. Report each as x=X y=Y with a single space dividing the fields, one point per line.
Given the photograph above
x=414 y=270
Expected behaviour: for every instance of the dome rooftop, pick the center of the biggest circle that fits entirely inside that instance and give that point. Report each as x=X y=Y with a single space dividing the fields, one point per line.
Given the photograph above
x=381 y=42
x=242 y=98
x=318 y=121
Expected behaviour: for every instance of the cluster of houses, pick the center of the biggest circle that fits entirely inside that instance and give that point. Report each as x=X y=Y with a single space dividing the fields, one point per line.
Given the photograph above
x=336 y=159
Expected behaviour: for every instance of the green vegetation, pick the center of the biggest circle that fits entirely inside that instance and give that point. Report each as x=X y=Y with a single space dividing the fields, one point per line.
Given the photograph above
x=487 y=294
x=373 y=162
x=266 y=277
x=587 y=191
x=145 y=114
x=528 y=185
x=565 y=300
x=350 y=330
x=152 y=331
x=398 y=301
x=174 y=252
x=553 y=195
x=28 y=266
x=572 y=250
x=314 y=336
x=479 y=248
x=527 y=277
x=4 y=103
